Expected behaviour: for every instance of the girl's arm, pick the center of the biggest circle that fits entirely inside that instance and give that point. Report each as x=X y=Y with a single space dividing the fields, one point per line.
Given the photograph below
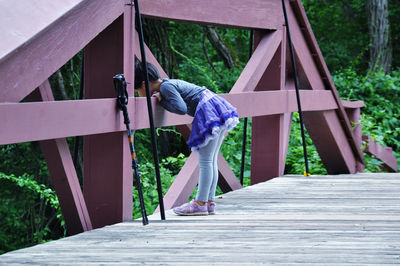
x=172 y=100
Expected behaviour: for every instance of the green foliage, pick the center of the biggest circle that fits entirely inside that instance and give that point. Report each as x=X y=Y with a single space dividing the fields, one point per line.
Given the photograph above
x=379 y=119
x=394 y=15
x=169 y=168
x=341 y=29
x=70 y=79
x=29 y=212
x=192 y=64
x=295 y=162
x=380 y=93
x=22 y=158
x=231 y=149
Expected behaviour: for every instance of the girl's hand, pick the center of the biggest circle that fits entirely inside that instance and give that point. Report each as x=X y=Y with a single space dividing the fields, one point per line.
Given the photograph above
x=158 y=96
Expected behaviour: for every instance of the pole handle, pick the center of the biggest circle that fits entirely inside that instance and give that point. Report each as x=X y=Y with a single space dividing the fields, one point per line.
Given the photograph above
x=120 y=88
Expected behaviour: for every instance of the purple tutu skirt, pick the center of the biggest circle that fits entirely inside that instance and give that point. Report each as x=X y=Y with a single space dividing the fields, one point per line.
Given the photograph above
x=213 y=114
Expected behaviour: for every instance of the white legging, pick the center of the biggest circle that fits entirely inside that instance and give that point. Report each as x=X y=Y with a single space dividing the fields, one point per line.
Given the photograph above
x=208 y=163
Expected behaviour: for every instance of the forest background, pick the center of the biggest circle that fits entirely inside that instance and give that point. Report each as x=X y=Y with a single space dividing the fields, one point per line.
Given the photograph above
x=360 y=43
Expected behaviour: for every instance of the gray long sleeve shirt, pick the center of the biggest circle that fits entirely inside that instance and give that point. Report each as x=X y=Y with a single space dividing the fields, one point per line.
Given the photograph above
x=179 y=96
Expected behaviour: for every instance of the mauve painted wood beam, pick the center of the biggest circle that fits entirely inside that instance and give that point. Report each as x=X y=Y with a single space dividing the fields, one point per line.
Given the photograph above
x=27 y=67
x=258 y=63
x=306 y=60
x=280 y=102
x=266 y=14
x=63 y=176
x=354 y=115
x=107 y=162
x=60 y=119
x=270 y=134
x=385 y=154
x=330 y=140
x=21 y=20
x=65 y=182
x=352 y=104
x=299 y=13
x=308 y=33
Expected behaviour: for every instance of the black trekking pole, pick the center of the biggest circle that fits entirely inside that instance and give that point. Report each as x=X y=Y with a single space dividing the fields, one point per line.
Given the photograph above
x=296 y=84
x=150 y=110
x=245 y=120
x=122 y=101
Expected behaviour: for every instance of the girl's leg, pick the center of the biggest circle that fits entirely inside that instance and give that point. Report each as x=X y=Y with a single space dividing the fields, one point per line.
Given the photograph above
x=214 y=183
x=206 y=164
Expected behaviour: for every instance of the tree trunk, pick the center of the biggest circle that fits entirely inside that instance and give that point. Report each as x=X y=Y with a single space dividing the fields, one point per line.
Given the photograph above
x=207 y=57
x=220 y=47
x=379 y=30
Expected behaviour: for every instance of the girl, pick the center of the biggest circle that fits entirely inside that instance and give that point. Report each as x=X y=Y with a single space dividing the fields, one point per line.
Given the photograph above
x=213 y=117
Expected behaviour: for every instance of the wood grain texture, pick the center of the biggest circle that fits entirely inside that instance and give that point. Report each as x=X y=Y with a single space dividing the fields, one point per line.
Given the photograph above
x=22 y=20
x=338 y=220
x=26 y=68
x=264 y=14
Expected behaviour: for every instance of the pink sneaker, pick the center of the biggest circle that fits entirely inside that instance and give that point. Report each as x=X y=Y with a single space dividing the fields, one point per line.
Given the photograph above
x=191 y=208
x=211 y=208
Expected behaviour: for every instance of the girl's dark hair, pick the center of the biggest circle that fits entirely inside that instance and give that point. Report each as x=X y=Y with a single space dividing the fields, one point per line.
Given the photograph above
x=152 y=71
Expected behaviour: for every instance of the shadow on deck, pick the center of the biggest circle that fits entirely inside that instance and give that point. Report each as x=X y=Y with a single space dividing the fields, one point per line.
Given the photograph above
x=343 y=219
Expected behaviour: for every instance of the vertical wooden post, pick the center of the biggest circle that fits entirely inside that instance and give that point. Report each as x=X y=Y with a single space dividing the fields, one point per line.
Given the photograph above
x=354 y=117
x=270 y=134
x=107 y=170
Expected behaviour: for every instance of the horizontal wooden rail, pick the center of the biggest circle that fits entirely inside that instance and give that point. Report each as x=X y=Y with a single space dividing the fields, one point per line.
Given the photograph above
x=60 y=119
x=352 y=104
x=236 y=13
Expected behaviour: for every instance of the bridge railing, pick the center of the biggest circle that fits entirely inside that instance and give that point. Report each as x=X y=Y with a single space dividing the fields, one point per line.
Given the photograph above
x=106 y=30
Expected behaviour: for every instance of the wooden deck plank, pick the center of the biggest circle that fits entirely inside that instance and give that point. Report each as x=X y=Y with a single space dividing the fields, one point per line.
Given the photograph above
x=341 y=220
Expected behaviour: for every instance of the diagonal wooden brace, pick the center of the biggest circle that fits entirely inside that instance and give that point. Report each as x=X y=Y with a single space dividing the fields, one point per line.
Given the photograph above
x=64 y=178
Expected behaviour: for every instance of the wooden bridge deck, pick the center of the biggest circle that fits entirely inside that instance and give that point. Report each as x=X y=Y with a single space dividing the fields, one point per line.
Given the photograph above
x=344 y=219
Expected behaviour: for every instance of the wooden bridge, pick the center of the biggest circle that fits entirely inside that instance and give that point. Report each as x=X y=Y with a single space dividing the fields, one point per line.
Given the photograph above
x=270 y=222
x=321 y=220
